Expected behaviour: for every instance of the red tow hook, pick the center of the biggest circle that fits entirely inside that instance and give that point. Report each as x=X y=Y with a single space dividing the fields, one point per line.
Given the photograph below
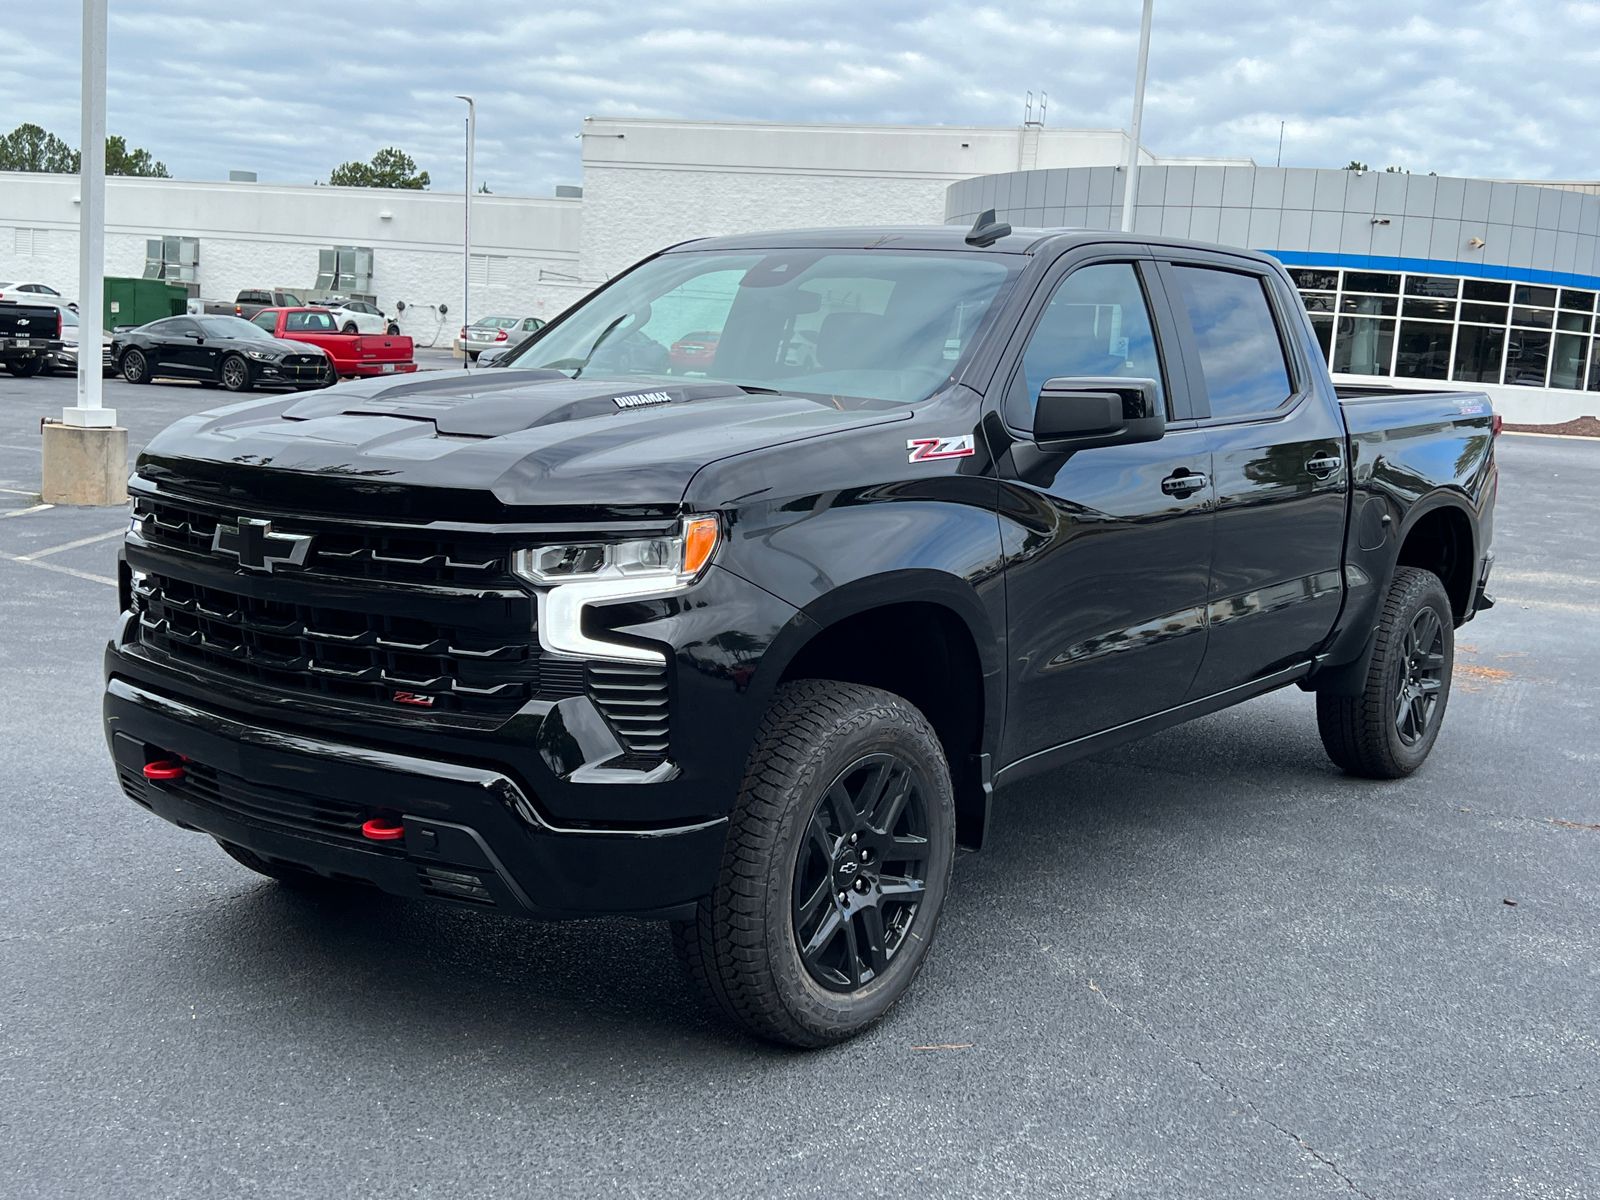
x=165 y=770
x=383 y=829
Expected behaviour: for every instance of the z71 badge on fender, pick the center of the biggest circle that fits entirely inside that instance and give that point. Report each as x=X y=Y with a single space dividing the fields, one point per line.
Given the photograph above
x=924 y=449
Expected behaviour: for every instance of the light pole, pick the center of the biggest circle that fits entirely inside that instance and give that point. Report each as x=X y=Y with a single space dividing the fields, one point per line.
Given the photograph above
x=466 y=239
x=92 y=222
x=1130 y=185
x=84 y=456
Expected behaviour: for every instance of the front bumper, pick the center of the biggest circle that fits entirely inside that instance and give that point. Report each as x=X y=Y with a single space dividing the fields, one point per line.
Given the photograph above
x=472 y=834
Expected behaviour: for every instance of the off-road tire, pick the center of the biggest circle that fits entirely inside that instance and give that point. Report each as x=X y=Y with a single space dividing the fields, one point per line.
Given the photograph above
x=135 y=367
x=298 y=878
x=1360 y=732
x=741 y=946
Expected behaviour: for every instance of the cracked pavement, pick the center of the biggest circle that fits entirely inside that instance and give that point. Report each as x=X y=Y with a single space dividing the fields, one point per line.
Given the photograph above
x=1202 y=965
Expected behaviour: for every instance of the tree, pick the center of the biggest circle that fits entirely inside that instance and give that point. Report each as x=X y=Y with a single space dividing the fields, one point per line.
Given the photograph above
x=1357 y=165
x=122 y=161
x=30 y=148
x=389 y=168
x=483 y=190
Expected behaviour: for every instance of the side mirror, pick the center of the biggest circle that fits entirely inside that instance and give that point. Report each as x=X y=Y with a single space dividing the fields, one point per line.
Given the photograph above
x=1078 y=414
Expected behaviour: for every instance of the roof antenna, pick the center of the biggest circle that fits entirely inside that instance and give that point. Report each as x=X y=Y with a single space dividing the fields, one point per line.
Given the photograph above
x=986 y=231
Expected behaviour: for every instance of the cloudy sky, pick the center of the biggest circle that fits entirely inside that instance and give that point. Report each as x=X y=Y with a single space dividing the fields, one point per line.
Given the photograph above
x=1509 y=88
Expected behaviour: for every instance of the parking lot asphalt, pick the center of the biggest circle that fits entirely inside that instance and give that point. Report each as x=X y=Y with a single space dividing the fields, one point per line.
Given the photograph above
x=1203 y=965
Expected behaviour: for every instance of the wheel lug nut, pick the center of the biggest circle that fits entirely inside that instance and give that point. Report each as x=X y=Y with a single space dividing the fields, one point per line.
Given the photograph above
x=854 y=838
x=844 y=897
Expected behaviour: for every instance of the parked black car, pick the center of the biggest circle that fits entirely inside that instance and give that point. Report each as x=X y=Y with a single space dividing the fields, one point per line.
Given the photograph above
x=751 y=652
x=218 y=351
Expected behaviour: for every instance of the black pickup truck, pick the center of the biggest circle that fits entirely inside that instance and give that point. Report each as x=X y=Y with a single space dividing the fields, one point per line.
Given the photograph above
x=30 y=337
x=750 y=649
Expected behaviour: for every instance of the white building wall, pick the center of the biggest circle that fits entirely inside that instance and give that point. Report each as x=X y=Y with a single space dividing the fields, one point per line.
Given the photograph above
x=650 y=183
x=256 y=235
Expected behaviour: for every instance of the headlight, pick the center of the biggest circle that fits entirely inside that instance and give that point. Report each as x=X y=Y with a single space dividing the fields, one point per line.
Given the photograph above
x=572 y=577
x=259 y=356
x=676 y=560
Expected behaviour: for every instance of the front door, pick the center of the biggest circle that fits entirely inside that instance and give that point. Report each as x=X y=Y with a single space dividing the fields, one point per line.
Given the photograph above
x=1277 y=466
x=1108 y=549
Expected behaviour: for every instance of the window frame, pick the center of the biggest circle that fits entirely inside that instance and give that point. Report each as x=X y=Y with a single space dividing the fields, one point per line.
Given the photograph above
x=1171 y=365
x=1301 y=377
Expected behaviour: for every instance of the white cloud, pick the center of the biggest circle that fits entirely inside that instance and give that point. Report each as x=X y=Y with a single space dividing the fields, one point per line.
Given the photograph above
x=1470 y=87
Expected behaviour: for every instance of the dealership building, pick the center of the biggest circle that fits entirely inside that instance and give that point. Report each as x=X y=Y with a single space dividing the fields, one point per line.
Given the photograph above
x=1453 y=282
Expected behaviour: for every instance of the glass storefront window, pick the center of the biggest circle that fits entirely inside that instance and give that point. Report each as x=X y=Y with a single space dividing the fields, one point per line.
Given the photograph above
x=1369 y=306
x=1439 y=286
x=1534 y=318
x=1541 y=297
x=1424 y=350
x=1576 y=322
x=1318 y=302
x=1322 y=326
x=1478 y=354
x=1371 y=281
x=1315 y=281
x=1594 y=367
x=1527 y=357
x=1430 y=310
x=1486 y=289
x=1365 y=346
x=1577 y=300
x=1485 y=314
x=1568 y=360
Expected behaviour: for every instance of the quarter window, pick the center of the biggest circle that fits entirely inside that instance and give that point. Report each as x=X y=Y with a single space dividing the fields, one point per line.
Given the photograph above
x=1097 y=324
x=1241 y=354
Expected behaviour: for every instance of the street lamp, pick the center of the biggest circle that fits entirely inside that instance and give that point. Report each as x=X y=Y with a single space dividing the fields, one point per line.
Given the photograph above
x=1130 y=185
x=466 y=238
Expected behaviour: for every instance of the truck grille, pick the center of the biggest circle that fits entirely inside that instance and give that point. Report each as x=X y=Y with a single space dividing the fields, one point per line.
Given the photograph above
x=344 y=626
x=346 y=551
x=343 y=654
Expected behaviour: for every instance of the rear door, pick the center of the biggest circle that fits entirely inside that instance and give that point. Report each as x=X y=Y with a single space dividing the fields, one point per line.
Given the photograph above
x=1108 y=549
x=1278 y=467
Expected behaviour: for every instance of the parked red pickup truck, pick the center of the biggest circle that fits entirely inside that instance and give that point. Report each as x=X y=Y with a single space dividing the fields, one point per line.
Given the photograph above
x=352 y=353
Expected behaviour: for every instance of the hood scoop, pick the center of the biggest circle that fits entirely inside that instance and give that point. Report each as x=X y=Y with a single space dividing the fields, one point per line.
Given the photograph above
x=464 y=404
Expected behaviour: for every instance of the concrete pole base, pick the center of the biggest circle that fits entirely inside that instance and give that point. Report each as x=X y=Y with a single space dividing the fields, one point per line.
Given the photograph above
x=85 y=466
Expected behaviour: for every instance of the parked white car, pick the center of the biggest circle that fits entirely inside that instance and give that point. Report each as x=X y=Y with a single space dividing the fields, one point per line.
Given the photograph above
x=27 y=289
x=358 y=316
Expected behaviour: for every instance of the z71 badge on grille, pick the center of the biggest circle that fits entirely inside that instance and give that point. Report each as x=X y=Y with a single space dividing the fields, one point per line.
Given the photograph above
x=925 y=449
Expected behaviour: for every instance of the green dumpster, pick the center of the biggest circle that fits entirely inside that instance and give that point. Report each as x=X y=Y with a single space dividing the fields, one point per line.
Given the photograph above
x=136 y=301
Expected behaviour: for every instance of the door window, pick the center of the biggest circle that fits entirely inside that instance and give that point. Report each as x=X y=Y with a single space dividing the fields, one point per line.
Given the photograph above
x=1241 y=354
x=267 y=321
x=1097 y=324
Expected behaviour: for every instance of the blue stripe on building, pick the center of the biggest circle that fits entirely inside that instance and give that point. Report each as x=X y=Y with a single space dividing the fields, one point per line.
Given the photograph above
x=1433 y=266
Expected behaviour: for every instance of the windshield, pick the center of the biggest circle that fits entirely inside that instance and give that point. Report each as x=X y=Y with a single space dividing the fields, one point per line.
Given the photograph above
x=868 y=324
x=231 y=327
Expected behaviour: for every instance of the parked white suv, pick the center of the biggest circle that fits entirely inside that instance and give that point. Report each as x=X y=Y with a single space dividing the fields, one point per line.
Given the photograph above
x=358 y=316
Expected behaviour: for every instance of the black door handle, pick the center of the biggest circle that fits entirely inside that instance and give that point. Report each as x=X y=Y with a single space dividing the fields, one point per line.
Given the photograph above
x=1325 y=466
x=1184 y=482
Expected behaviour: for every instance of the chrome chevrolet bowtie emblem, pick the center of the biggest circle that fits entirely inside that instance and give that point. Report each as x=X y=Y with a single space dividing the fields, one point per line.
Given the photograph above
x=258 y=548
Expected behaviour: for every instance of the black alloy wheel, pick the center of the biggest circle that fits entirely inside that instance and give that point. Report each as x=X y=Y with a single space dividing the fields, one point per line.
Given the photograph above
x=1387 y=729
x=235 y=374
x=135 y=367
x=1420 y=680
x=836 y=864
x=861 y=872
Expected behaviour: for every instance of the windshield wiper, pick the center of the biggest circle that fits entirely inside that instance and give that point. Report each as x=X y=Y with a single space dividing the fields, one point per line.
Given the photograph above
x=604 y=334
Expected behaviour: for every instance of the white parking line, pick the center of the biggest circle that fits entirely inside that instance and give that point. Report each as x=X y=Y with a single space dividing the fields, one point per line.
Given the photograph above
x=59 y=569
x=17 y=492
x=83 y=541
x=22 y=512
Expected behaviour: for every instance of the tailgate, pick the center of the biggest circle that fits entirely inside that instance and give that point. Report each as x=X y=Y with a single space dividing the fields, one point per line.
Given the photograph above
x=382 y=348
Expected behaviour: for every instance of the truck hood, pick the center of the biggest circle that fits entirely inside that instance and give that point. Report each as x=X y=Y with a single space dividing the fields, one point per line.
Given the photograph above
x=531 y=438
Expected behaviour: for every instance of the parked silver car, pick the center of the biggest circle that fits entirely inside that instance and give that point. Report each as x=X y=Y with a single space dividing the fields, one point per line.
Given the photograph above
x=496 y=333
